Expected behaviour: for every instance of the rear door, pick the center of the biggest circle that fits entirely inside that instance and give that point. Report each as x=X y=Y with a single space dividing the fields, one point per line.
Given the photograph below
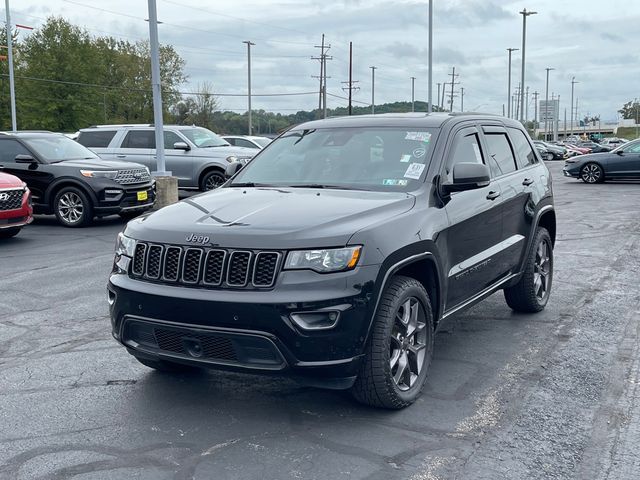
x=137 y=146
x=517 y=180
x=475 y=223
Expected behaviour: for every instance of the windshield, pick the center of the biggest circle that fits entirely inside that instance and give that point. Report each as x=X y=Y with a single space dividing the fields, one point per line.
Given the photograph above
x=55 y=148
x=203 y=138
x=379 y=159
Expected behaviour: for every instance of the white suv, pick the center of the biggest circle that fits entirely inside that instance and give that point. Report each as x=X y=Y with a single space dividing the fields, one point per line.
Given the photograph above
x=197 y=156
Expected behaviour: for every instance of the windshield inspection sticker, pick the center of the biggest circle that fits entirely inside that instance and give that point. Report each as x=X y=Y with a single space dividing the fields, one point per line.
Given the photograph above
x=394 y=181
x=418 y=136
x=419 y=152
x=405 y=158
x=414 y=171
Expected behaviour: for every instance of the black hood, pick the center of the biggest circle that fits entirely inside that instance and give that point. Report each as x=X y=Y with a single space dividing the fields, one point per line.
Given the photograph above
x=270 y=218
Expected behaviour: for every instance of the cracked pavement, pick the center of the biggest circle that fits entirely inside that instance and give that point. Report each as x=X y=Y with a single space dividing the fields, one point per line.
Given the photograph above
x=551 y=395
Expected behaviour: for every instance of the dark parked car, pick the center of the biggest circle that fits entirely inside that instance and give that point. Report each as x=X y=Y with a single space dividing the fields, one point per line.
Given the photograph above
x=595 y=147
x=72 y=182
x=621 y=163
x=15 y=205
x=556 y=151
x=336 y=253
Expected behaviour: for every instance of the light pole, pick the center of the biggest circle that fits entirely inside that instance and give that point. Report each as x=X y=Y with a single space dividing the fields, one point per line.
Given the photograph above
x=509 y=82
x=373 y=89
x=10 y=58
x=573 y=82
x=156 y=88
x=546 y=103
x=462 y=99
x=413 y=103
x=430 y=80
x=524 y=14
x=249 y=43
x=439 y=92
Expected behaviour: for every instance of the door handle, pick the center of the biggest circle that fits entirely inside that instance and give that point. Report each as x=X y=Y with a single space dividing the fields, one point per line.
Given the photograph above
x=493 y=195
x=121 y=156
x=527 y=181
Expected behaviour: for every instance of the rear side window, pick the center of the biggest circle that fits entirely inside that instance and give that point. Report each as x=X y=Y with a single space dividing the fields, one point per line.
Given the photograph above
x=96 y=138
x=500 y=151
x=230 y=141
x=139 y=139
x=525 y=154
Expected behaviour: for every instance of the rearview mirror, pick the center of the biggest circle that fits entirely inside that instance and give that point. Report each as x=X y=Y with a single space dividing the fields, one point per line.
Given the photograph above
x=232 y=169
x=25 y=159
x=468 y=176
x=181 y=146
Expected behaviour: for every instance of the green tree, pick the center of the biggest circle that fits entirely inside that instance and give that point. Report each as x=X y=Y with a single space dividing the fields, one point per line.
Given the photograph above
x=631 y=110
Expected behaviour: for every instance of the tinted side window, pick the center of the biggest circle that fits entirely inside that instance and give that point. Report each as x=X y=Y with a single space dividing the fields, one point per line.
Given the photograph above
x=139 y=139
x=230 y=141
x=241 y=142
x=500 y=150
x=96 y=138
x=169 y=139
x=525 y=154
x=9 y=148
x=467 y=149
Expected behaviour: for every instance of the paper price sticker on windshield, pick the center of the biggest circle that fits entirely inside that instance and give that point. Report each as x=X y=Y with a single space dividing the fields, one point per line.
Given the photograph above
x=418 y=136
x=414 y=171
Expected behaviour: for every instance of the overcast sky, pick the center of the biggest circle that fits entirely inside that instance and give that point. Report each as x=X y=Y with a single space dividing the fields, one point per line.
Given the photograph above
x=595 y=41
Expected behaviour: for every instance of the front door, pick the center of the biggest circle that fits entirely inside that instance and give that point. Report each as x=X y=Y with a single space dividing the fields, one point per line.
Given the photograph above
x=179 y=162
x=475 y=224
x=35 y=175
x=625 y=162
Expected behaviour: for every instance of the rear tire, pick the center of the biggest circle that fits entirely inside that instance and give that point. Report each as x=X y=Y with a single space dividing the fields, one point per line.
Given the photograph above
x=549 y=156
x=397 y=358
x=166 y=367
x=531 y=293
x=10 y=232
x=73 y=208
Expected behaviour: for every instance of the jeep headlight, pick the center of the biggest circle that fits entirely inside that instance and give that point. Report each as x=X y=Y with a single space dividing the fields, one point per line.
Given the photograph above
x=324 y=261
x=99 y=173
x=125 y=245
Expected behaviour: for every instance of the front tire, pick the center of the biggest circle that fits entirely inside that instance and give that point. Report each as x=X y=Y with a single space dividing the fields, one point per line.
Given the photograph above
x=72 y=207
x=10 y=232
x=549 y=156
x=394 y=370
x=531 y=293
x=592 y=173
x=212 y=180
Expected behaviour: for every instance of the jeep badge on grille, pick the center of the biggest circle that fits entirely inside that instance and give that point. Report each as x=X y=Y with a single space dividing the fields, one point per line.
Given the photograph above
x=200 y=239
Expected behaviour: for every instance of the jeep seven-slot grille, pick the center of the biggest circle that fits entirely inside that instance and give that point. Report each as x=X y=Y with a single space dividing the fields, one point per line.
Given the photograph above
x=11 y=199
x=205 y=267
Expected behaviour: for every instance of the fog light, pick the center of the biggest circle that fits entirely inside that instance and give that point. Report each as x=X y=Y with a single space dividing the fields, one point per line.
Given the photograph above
x=111 y=297
x=320 y=320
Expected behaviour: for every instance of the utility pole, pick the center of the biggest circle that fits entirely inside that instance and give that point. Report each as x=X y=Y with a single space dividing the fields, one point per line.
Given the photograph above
x=535 y=106
x=517 y=111
x=321 y=72
x=439 y=92
x=430 y=80
x=157 y=89
x=556 y=120
x=249 y=43
x=413 y=90
x=322 y=102
x=462 y=99
x=573 y=82
x=526 y=104
x=373 y=89
x=524 y=14
x=565 y=123
x=444 y=88
x=12 y=89
x=350 y=88
x=546 y=100
x=453 y=76
x=509 y=82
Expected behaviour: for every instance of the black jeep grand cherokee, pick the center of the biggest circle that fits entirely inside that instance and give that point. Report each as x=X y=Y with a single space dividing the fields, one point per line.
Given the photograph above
x=336 y=252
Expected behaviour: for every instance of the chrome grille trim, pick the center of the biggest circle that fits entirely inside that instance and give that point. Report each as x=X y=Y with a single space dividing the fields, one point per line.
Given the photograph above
x=13 y=200
x=131 y=176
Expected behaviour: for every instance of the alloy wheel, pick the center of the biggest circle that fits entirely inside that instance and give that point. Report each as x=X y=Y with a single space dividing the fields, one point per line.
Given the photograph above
x=408 y=344
x=591 y=173
x=214 y=181
x=70 y=207
x=542 y=270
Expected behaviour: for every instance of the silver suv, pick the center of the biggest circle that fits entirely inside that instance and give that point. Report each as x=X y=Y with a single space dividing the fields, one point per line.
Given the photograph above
x=197 y=156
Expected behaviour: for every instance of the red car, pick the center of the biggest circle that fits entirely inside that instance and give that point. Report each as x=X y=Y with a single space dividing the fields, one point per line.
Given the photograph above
x=15 y=205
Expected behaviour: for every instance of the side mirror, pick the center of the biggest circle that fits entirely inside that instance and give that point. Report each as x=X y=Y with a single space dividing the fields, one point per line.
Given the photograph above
x=181 y=146
x=468 y=176
x=620 y=152
x=232 y=169
x=25 y=159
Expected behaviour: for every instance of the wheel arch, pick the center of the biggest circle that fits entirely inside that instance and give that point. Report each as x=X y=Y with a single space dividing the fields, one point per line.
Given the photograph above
x=205 y=170
x=55 y=187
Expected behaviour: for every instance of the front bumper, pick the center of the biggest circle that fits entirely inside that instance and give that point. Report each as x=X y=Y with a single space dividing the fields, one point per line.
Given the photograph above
x=19 y=217
x=127 y=199
x=249 y=330
x=570 y=172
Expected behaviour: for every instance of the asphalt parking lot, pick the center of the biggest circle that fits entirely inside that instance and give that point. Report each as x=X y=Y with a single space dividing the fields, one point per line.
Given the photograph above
x=510 y=396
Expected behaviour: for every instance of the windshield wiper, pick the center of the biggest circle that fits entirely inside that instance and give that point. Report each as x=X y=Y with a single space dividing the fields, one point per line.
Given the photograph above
x=323 y=185
x=213 y=146
x=252 y=184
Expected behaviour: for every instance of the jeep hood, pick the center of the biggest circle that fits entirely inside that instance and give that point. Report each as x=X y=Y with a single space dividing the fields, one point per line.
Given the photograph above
x=270 y=218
